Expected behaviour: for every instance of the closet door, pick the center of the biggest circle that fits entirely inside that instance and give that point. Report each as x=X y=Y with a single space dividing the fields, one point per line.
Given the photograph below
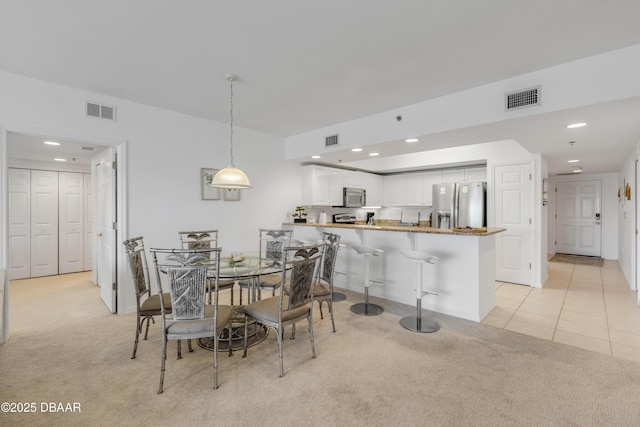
x=19 y=224
x=88 y=223
x=71 y=222
x=44 y=223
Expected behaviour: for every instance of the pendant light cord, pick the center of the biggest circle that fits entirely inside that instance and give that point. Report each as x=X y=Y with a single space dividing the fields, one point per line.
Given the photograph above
x=231 y=114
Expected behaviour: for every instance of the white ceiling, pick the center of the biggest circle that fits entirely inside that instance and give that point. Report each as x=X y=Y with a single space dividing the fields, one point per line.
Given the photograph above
x=305 y=64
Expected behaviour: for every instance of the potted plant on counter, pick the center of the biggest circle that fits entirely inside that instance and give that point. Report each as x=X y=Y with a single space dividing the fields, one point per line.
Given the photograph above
x=299 y=214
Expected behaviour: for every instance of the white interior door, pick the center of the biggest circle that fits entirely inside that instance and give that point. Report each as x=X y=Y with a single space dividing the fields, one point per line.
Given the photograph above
x=19 y=224
x=514 y=247
x=88 y=223
x=44 y=223
x=71 y=221
x=578 y=220
x=104 y=174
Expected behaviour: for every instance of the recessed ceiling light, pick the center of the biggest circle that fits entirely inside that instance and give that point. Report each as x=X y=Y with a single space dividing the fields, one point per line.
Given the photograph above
x=51 y=143
x=411 y=140
x=576 y=125
x=356 y=149
x=577 y=171
x=315 y=157
x=573 y=161
x=60 y=160
x=374 y=154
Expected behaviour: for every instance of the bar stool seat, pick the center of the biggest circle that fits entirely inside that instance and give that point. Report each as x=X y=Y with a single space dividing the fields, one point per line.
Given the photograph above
x=366 y=308
x=417 y=323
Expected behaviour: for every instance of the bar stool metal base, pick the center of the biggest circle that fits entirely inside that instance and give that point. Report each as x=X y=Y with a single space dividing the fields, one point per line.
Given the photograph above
x=415 y=324
x=366 y=309
x=338 y=296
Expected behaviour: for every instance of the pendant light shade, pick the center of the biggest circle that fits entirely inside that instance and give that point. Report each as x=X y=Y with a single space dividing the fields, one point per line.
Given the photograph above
x=230 y=177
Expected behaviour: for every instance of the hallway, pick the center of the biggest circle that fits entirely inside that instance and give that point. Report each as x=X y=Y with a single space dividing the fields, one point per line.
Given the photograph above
x=587 y=307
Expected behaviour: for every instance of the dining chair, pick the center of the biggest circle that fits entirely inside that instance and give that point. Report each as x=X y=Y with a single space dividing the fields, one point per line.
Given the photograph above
x=275 y=313
x=272 y=244
x=324 y=278
x=147 y=304
x=203 y=240
x=187 y=272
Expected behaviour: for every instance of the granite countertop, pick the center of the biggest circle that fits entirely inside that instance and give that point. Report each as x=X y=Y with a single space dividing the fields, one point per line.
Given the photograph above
x=390 y=225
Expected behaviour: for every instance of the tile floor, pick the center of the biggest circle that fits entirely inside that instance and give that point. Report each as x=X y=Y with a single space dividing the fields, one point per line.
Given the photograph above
x=582 y=306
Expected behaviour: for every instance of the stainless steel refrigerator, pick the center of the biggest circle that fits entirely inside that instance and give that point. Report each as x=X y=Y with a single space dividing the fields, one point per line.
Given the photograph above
x=459 y=205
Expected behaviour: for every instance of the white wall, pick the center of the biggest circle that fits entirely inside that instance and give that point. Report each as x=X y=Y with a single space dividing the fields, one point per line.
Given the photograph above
x=165 y=153
x=609 y=211
x=626 y=213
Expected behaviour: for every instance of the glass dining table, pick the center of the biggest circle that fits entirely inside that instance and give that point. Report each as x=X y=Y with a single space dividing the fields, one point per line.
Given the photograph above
x=247 y=268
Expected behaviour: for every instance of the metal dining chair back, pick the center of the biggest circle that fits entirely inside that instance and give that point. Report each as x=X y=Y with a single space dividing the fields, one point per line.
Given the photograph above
x=186 y=272
x=301 y=263
x=147 y=304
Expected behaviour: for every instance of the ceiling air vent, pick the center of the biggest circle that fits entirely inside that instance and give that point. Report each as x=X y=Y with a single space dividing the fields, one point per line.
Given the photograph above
x=100 y=111
x=330 y=141
x=522 y=98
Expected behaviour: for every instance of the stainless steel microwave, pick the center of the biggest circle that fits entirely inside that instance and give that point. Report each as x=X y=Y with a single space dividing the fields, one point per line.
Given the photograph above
x=354 y=197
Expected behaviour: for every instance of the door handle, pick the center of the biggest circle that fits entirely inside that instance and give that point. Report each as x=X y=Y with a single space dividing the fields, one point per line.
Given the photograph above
x=99 y=234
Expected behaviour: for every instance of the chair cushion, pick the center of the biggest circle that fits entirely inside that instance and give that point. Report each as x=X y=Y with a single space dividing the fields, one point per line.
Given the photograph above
x=266 y=281
x=267 y=310
x=224 y=313
x=151 y=306
x=321 y=290
x=225 y=284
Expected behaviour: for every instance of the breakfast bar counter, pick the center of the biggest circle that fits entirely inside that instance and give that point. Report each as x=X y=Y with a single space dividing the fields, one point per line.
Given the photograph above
x=463 y=278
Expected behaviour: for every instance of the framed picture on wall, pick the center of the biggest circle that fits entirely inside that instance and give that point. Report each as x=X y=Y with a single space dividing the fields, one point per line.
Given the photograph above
x=206 y=176
x=231 y=194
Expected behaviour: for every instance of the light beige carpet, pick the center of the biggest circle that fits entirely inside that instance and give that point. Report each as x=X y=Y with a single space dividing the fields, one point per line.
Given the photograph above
x=371 y=372
x=577 y=259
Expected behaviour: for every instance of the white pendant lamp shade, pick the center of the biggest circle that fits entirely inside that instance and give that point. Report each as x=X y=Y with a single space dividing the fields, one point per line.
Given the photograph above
x=230 y=177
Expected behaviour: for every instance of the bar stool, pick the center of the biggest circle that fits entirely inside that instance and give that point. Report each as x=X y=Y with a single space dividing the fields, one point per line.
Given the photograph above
x=365 y=308
x=417 y=323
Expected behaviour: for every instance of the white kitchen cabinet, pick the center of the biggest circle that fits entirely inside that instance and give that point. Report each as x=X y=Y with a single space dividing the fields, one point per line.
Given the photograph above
x=375 y=189
x=415 y=188
x=475 y=174
x=355 y=179
x=430 y=178
x=315 y=186
x=321 y=186
x=453 y=175
x=336 y=184
x=395 y=190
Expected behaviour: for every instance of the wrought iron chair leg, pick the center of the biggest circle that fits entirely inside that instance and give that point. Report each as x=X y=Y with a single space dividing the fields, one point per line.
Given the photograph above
x=164 y=358
x=135 y=344
x=313 y=346
x=190 y=347
x=280 y=353
x=179 y=349
x=293 y=332
x=246 y=332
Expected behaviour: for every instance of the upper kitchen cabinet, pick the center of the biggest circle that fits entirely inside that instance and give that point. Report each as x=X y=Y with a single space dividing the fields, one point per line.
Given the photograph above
x=395 y=190
x=375 y=189
x=355 y=179
x=321 y=186
x=415 y=189
x=430 y=178
x=474 y=173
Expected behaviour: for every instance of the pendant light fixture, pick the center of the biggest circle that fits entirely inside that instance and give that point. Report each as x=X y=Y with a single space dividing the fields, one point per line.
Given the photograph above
x=231 y=177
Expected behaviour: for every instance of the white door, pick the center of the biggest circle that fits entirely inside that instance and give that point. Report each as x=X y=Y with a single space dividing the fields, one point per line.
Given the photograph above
x=88 y=223
x=71 y=221
x=104 y=174
x=578 y=230
x=44 y=223
x=514 y=247
x=19 y=224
